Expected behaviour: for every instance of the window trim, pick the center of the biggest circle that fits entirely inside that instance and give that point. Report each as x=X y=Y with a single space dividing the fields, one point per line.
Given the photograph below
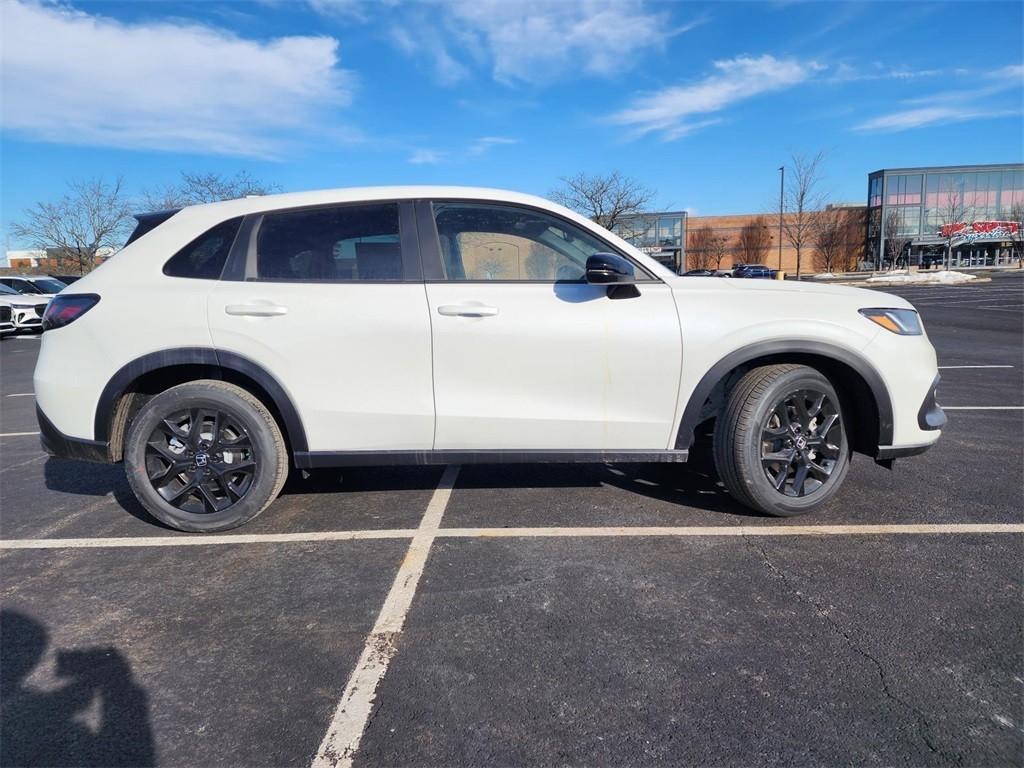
x=430 y=244
x=243 y=252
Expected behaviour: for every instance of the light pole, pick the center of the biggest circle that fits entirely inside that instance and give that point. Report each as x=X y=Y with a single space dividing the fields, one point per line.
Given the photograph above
x=782 y=191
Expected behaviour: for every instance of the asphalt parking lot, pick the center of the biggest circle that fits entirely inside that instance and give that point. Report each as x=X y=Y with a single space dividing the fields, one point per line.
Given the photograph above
x=534 y=615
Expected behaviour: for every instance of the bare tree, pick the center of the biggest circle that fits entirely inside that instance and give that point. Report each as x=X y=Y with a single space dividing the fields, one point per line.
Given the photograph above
x=803 y=199
x=91 y=217
x=896 y=241
x=198 y=188
x=720 y=248
x=828 y=239
x=853 y=247
x=604 y=199
x=491 y=268
x=953 y=213
x=540 y=262
x=754 y=242
x=705 y=249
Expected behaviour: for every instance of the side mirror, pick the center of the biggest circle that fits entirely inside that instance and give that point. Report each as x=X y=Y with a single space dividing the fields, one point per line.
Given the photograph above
x=608 y=268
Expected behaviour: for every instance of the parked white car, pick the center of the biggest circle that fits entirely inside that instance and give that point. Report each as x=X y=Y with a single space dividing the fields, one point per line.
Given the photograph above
x=426 y=325
x=33 y=285
x=25 y=311
x=6 y=318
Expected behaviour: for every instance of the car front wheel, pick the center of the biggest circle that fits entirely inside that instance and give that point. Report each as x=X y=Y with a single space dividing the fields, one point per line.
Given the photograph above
x=781 y=446
x=205 y=456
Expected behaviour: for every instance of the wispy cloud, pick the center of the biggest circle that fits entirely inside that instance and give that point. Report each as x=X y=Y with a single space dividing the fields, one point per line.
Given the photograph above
x=475 y=149
x=534 y=40
x=988 y=99
x=481 y=145
x=678 y=111
x=847 y=73
x=78 y=78
x=426 y=157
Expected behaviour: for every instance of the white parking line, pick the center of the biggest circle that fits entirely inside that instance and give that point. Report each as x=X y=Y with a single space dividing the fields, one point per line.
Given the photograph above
x=350 y=718
x=17 y=434
x=205 y=540
x=983 y=407
x=944 y=367
x=937 y=302
x=684 y=531
x=23 y=394
x=736 y=530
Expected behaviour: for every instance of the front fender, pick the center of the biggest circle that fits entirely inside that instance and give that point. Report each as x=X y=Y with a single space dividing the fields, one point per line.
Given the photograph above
x=778 y=349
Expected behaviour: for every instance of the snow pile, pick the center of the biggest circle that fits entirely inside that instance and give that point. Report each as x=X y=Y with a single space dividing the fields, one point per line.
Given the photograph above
x=943 y=276
x=829 y=276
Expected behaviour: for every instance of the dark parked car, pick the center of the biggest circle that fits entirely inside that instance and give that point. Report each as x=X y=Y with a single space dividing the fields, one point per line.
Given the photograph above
x=754 y=270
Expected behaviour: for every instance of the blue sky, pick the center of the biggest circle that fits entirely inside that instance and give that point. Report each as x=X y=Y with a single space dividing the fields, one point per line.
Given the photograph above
x=701 y=102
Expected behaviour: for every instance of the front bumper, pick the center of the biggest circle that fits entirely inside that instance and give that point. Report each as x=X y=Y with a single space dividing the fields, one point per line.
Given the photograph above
x=56 y=443
x=930 y=418
x=28 y=318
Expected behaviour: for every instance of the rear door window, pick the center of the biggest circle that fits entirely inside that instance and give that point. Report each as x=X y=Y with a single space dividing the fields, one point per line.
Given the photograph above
x=337 y=244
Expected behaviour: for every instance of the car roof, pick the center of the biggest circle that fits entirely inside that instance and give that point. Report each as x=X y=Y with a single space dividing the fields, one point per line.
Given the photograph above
x=257 y=203
x=30 y=277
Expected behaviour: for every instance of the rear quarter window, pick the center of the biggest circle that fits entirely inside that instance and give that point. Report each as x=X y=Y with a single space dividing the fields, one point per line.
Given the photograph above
x=204 y=257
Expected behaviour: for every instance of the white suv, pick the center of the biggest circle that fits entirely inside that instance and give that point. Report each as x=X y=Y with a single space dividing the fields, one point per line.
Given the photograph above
x=428 y=325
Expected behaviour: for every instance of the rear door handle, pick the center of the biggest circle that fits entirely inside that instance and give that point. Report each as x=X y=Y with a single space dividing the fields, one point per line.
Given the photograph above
x=256 y=310
x=466 y=310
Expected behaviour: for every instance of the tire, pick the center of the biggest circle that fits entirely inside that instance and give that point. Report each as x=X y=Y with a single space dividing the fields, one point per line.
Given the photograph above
x=775 y=426
x=205 y=456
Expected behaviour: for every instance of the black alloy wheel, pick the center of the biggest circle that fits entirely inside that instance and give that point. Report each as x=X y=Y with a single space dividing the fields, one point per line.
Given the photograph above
x=200 y=460
x=205 y=456
x=800 y=443
x=780 y=443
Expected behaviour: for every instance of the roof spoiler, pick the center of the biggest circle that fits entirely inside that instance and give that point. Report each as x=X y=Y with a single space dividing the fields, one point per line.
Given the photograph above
x=149 y=221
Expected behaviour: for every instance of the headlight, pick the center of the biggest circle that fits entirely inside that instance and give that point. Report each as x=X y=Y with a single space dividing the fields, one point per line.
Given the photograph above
x=904 y=322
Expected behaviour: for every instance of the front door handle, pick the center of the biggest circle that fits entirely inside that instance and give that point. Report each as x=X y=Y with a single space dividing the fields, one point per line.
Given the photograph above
x=466 y=310
x=256 y=310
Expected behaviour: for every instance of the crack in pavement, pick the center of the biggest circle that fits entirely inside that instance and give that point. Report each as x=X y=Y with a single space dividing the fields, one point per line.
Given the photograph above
x=923 y=726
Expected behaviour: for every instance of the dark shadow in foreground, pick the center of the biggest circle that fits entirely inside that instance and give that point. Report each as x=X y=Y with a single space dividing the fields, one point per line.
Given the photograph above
x=98 y=716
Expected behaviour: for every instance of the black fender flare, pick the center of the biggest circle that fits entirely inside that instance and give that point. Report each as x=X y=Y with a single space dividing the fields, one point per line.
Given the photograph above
x=169 y=358
x=694 y=406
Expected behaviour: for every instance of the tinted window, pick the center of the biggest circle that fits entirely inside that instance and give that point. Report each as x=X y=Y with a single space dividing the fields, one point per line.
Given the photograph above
x=49 y=285
x=205 y=256
x=480 y=241
x=21 y=286
x=352 y=242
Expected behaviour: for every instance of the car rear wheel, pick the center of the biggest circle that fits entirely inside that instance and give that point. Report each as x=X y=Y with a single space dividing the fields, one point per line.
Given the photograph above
x=781 y=446
x=205 y=456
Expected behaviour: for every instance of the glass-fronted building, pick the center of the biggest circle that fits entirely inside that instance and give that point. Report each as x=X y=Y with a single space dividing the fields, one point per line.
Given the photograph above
x=660 y=235
x=915 y=214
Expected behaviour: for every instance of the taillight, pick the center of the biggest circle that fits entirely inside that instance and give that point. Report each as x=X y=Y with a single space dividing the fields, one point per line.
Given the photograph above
x=65 y=309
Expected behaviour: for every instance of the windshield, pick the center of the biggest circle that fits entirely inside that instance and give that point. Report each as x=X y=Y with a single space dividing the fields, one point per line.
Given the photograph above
x=8 y=291
x=48 y=285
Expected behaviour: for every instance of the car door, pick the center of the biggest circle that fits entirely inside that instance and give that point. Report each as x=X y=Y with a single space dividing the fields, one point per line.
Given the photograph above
x=330 y=301
x=526 y=354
